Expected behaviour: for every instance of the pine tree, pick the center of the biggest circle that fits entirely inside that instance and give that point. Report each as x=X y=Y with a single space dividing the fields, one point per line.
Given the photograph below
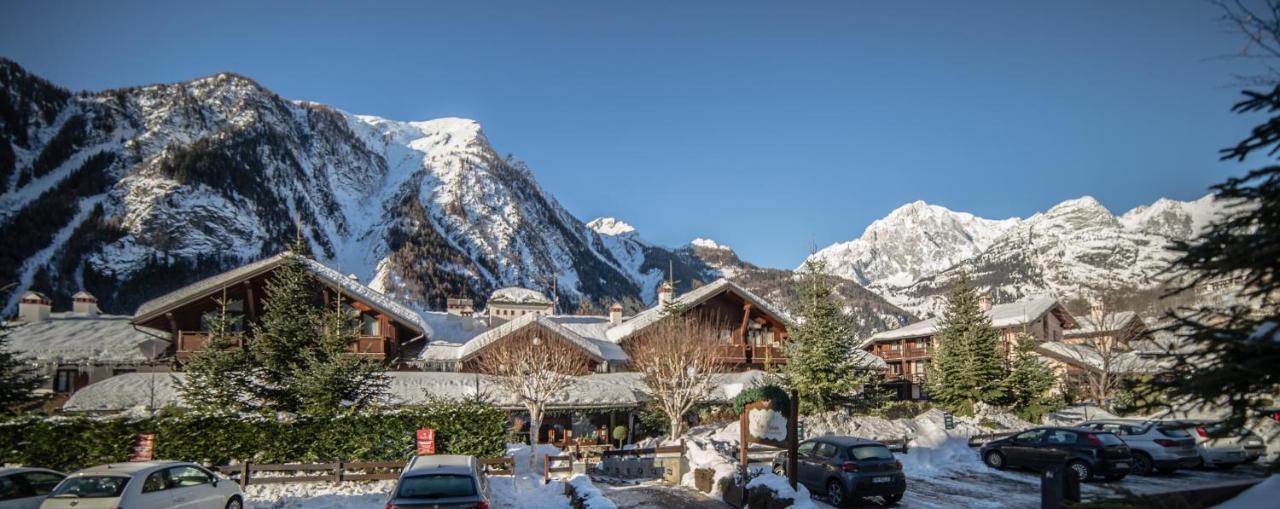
x=820 y=366
x=966 y=367
x=329 y=381
x=218 y=376
x=1029 y=381
x=288 y=327
x=18 y=378
x=1235 y=359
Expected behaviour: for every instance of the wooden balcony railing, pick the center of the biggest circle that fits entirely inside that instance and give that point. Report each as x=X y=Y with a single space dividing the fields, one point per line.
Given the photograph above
x=902 y=353
x=751 y=354
x=190 y=342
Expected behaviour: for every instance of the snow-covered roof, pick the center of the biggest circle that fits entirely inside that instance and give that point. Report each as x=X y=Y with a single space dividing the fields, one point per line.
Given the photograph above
x=1110 y=323
x=155 y=307
x=692 y=298
x=80 y=337
x=517 y=295
x=1085 y=356
x=571 y=328
x=1002 y=315
x=133 y=391
x=453 y=329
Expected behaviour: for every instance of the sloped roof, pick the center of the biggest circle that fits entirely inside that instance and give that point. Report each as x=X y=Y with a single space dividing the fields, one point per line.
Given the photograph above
x=1002 y=315
x=1110 y=323
x=1084 y=356
x=518 y=295
x=692 y=298
x=595 y=347
x=158 y=306
x=81 y=337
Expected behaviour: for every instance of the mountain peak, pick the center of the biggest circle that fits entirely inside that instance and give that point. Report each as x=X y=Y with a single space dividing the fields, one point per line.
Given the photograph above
x=709 y=244
x=611 y=226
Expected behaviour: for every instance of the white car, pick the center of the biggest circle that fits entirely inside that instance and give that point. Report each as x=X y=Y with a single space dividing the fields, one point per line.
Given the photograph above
x=25 y=488
x=1223 y=449
x=146 y=485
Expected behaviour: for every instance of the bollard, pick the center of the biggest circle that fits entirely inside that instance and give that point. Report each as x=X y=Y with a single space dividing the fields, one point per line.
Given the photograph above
x=1051 y=485
x=1070 y=485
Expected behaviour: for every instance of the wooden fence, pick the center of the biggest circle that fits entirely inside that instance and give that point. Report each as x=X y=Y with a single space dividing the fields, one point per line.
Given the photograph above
x=341 y=471
x=547 y=469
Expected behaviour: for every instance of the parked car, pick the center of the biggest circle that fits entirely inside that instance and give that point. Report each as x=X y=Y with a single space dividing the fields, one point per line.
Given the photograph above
x=25 y=488
x=1156 y=446
x=846 y=468
x=1221 y=448
x=440 y=482
x=145 y=485
x=1086 y=452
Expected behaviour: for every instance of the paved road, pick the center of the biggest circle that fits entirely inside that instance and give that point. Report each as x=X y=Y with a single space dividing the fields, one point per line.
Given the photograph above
x=658 y=496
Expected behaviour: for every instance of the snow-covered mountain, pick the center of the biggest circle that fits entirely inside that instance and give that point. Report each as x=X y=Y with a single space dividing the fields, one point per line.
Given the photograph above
x=1078 y=248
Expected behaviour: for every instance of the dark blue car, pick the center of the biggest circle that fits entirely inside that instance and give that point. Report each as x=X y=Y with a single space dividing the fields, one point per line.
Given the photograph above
x=847 y=468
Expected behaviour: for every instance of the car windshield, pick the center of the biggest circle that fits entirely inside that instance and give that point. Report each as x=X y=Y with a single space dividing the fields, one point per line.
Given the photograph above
x=436 y=486
x=91 y=486
x=1109 y=439
x=870 y=452
x=1173 y=432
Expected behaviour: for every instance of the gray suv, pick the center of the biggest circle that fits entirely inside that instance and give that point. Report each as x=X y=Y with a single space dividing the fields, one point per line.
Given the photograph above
x=845 y=468
x=1158 y=446
x=440 y=482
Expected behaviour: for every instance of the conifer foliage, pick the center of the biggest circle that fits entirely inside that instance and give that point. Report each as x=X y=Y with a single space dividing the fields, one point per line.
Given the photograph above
x=217 y=377
x=1027 y=387
x=820 y=364
x=966 y=367
x=18 y=378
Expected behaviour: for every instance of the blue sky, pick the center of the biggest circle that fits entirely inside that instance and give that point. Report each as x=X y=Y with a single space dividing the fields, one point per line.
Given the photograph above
x=767 y=126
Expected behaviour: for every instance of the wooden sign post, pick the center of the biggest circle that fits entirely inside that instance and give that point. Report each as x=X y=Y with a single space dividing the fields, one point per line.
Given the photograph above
x=426 y=439
x=143 y=447
x=790 y=443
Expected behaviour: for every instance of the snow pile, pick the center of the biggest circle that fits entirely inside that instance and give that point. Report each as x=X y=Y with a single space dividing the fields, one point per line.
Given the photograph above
x=1076 y=414
x=767 y=424
x=525 y=489
x=350 y=495
x=590 y=496
x=712 y=448
x=986 y=420
x=782 y=490
x=1263 y=494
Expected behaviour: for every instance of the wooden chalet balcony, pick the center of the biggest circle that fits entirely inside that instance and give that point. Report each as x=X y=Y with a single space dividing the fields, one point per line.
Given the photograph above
x=768 y=353
x=732 y=354
x=190 y=342
x=917 y=378
x=751 y=354
x=903 y=353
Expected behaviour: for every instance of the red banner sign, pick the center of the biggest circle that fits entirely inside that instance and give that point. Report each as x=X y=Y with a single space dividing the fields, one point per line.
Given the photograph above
x=143 y=445
x=426 y=441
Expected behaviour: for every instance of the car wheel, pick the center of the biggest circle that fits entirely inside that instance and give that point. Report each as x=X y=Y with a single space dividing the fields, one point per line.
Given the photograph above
x=1082 y=470
x=1141 y=464
x=235 y=503
x=994 y=459
x=835 y=493
x=892 y=498
x=1115 y=477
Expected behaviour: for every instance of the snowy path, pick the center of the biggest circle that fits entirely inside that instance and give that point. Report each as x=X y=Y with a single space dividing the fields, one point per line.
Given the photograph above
x=658 y=496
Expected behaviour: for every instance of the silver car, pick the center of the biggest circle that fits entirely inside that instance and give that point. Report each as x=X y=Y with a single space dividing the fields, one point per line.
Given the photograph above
x=145 y=485
x=25 y=488
x=440 y=482
x=1156 y=446
x=1221 y=448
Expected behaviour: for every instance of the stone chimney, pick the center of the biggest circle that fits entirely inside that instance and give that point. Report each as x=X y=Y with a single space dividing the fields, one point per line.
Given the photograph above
x=615 y=314
x=34 y=307
x=984 y=303
x=84 y=303
x=666 y=293
x=460 y=307
x=1097 y=311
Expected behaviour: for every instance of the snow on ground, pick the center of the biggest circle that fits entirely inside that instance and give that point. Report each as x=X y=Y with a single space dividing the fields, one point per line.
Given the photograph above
x=1264 y=494
x=351 y=495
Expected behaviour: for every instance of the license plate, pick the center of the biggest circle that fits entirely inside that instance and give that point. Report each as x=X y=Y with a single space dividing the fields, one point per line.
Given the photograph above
x=881 y=480
x=1122 y=465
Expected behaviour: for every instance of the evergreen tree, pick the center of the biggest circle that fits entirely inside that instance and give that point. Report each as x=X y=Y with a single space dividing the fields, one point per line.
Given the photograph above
x=1029 y=381
x=217 y=377
x=966 y=367
x=1235 y=359
x=18 y=378
x=820 y=366
x=288 y=327
x=330 y=381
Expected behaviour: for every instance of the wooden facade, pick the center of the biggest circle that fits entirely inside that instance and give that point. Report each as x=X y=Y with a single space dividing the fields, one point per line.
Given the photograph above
x=752 y=338
x=380 y=335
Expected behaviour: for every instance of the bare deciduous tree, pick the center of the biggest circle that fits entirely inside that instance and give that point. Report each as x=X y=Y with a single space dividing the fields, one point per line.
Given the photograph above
x=676 y=359
x=1100 y=350
x=534 y=366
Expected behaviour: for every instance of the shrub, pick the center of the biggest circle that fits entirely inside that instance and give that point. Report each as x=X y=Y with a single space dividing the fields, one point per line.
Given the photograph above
x=781 y=402
x=903 y=409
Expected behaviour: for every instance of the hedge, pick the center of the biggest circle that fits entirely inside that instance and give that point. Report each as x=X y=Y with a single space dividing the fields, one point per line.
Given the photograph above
x=71 y=443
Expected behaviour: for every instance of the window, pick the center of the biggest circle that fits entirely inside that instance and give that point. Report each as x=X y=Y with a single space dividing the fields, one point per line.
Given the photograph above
x=1058 y=437
x=41 y=483
x=182 y=477
x=1029 y=437
x=825 y=450
x=437 y=486
x=65 y=380
x=10 y=489
x=870 y=452
x=92 y=486
x=805 y=449
x=157 y=481
x=369 y=326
